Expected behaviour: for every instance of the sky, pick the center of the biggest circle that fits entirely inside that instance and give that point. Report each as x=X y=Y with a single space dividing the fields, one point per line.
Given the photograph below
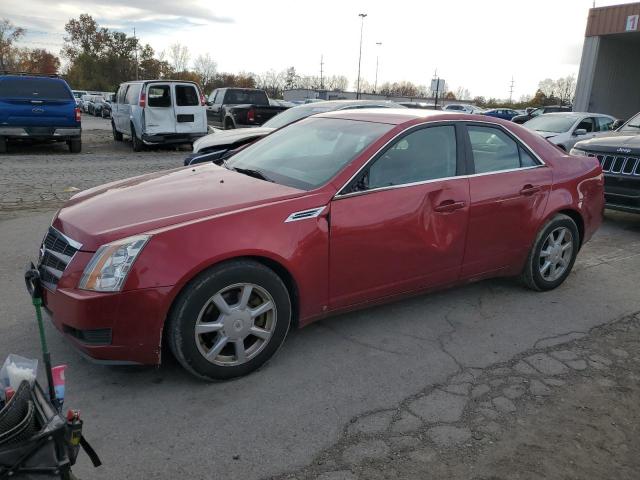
x=479 y=45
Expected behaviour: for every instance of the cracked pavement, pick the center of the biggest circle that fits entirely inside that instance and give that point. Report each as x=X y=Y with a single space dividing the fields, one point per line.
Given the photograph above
x=306 y=406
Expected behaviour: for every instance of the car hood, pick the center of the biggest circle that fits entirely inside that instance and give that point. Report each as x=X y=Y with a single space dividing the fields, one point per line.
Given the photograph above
x=612 y=142
x=148 y=202
x=222 y=138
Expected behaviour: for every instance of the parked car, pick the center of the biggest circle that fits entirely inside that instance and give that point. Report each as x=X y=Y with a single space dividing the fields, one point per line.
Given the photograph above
x=534 y=112
x=38 y=108
x=158 y=112
x=77 y=94
x=619 y=154
x=461 y=108
x=229 y=108
x=84 y=102
x=503 y=113
x=281 y=103
x=221 y=144
x=422 y=105
x=94 y=106
x=565 y=129
x=334 y=212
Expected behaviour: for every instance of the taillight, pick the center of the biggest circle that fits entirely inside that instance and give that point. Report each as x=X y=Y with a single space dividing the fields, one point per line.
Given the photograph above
x=251 y=115
x=143 y=99
x=203 y=101
x=78 y=115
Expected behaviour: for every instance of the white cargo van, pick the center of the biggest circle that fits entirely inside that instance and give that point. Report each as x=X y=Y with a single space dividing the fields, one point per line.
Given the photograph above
x=156 y=112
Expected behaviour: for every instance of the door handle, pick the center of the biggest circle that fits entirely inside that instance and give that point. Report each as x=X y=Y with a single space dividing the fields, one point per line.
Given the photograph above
x=529 y=190
x=449 y=206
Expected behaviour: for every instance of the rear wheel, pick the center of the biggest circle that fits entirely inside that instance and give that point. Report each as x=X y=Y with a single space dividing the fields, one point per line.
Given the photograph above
x=3 y=145
x=229 y=320
x=117 y=136
x=552 y=255
x=136 y=143
x=75 y=145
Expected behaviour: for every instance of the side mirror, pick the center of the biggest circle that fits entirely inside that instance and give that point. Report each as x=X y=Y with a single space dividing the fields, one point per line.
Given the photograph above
x=580 y=131
x=617 y=124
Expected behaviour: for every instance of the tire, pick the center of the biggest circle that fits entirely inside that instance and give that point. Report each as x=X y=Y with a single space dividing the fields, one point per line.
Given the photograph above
x=3 y=145
x=75 y=145
x=136 y=143
x=117 y=136
x=228 y=282
x=537 y=275
x=229 y=125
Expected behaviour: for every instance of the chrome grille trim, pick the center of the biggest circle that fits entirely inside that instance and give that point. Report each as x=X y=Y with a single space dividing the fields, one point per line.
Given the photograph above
x=618 y=164
x=56 y=252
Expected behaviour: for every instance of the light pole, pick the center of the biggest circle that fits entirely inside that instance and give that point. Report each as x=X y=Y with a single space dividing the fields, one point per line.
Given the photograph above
x=362 y=17
x=375 y=86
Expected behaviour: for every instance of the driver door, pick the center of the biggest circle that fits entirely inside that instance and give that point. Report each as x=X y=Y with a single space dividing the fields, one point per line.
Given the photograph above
x=400 y=225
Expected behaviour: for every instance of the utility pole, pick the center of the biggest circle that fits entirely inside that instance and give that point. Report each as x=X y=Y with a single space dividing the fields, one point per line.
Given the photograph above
x=321 y=78
x=511 y=91
x=435 y=76
x=362 y=17
x=375 y=87
x=136 y=39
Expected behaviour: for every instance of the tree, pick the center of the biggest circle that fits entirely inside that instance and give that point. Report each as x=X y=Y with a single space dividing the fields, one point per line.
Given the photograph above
x=178 y=55
x=291 y=78
x=9 y=33
x=206 y=69
x=547 y=87
x=38 y=61
x=336 y=83
x=462 y=94
x=566 y=88
x=450 y=96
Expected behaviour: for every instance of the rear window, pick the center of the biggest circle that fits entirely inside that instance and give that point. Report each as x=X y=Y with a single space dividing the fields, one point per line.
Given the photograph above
x=237 y=97
x=159 y=96
x=186 y=96
x=32 y=88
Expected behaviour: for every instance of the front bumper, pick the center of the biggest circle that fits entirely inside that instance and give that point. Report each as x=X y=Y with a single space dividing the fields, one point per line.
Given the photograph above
x=114 y=328
x=171 y=138
x=622 y=193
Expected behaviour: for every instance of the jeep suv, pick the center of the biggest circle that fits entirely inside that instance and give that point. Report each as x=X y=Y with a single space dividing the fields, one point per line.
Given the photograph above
x=38 y=108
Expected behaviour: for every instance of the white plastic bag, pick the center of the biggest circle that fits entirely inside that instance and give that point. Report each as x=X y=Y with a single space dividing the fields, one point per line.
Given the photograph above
x=16 y=369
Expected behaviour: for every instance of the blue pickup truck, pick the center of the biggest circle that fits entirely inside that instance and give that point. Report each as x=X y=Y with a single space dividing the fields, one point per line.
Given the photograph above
x=38 y=108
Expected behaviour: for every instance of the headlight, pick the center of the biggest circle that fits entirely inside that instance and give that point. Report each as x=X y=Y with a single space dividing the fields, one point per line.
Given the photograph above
x=577 y=152
x=110 y=265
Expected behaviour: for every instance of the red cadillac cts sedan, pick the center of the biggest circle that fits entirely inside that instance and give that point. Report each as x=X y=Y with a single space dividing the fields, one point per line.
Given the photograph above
x=335 y=212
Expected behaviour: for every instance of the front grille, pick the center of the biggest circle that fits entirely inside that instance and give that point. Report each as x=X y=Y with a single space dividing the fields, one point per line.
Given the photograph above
x=100 y=336
x=618 y=164
x=56 y=252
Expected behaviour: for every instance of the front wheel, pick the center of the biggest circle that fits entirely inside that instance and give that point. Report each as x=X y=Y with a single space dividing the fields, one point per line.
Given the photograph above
x=553 y=254
x=229 y=320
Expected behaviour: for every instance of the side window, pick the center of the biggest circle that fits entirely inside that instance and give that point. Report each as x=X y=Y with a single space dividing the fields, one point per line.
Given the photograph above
x=121 y=91
x=426 y=154
x=212 y=96
x=605 y=124
x=133 y=94
x=186 y=96
x=493 y=150
x=587 y=124
x=159 y=96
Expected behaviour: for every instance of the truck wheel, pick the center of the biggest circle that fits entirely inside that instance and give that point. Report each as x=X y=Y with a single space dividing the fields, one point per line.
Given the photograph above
x=136 y=143
x=117 y=136
x=229 y=320
x=3 y=145
x=75 y=145
x=229 y=125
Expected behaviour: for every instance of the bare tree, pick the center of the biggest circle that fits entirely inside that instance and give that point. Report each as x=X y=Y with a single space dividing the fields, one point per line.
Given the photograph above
x=462 y=93
x=566 y=89
x=206 y=69
x=337 y=83
x=548 y=87
x=178 y=57
x=9 y=33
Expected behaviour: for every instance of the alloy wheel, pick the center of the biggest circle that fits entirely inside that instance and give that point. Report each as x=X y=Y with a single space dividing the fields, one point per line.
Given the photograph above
x=556 y=253
x=235 y=324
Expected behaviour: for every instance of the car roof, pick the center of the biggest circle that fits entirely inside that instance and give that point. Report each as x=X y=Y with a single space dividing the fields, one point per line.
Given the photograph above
x=336 y=104
x=576 y=114
x=392 y=116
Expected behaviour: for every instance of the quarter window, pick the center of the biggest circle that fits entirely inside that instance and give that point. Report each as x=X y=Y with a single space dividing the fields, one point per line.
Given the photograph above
x=425 y=154
x=493 y=150
x=605 y=124
x=159 y=96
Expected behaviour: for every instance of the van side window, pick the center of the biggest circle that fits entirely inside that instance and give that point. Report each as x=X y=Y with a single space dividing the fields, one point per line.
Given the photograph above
x=186 y=96
x=159 y=96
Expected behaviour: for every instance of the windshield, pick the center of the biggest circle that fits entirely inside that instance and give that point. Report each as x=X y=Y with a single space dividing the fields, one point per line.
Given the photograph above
x=294 y=114
x=536 y=112
x=632 y=125
x=551 y=123
x=307 y=154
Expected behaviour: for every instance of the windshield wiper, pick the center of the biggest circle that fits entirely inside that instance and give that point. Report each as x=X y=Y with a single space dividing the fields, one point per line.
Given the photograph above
x=252 y=173
x=634 y=126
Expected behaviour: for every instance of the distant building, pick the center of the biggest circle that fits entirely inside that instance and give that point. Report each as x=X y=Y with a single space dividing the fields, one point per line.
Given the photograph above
x=609 y=78
x=300 y=94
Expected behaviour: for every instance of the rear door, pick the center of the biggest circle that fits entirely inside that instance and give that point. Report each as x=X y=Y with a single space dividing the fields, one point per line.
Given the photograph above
x=509 y=192
x=213 y=110
x=36 y=102
x=190 y=115
x=159 y=112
